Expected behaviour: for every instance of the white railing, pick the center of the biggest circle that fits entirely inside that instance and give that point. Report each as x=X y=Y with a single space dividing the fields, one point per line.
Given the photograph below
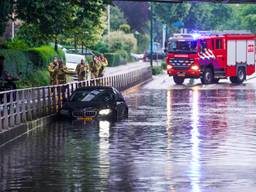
x=22 y=105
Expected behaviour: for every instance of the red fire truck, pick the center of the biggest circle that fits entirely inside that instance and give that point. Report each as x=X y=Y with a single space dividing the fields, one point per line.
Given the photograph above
x=211 y=57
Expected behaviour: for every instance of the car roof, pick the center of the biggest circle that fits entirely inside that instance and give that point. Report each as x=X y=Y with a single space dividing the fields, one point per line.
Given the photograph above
x=95 y=88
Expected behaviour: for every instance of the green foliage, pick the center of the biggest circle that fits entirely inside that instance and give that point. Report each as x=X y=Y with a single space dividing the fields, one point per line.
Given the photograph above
x=114 y=59
x=101 y=47
x=32 y=63
x=163 y=65
x=157 y=70
x=16 y=44
x=171 y=12
x=207 y=16
x=248 y=12
x=50 y=17
x=143 y=42
x=118 y=40
x=17 y=61
x=39 y=77
x=125 y=28
x=41 y=56
x=31 y=35
x=116 y=18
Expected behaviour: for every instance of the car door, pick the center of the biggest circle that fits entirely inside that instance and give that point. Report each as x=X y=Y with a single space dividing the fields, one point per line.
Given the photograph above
x=219 y=51
x=120 y=104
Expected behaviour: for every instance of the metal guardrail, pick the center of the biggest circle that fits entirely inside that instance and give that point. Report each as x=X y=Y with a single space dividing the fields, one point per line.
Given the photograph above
x=22 y=105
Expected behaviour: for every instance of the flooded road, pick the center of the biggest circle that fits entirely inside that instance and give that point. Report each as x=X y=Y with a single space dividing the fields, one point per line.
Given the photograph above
x=187 y=139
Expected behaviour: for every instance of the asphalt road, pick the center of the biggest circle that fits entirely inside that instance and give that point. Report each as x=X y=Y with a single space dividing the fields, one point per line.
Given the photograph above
x=190 y=138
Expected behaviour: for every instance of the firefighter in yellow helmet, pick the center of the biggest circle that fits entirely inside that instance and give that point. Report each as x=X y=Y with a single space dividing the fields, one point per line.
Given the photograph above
x=94 y=67
x=52 y=68
x=61 y=73
x=82 y=71
x=103 y=65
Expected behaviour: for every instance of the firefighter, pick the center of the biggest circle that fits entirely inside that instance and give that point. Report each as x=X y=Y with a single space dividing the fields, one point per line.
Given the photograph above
x=103 y=65
x=95 y=67
x=61 y=73
x=82 y=71
x=52 y=68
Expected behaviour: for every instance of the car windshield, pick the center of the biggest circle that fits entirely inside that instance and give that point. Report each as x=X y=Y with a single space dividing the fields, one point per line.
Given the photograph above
x=175 y=46
x=88 y=95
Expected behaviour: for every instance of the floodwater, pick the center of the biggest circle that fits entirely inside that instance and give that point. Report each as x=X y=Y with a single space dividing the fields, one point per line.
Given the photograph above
x=189 y=140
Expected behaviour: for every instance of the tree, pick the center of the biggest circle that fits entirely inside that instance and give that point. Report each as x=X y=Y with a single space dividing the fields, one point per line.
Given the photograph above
x=83 y=18
x=171 y=13
x=5 y=7
x=87 y=24
x=116 y=18
x=50 y=17
x=125 y=28
x=137 y=14
x=248 y=13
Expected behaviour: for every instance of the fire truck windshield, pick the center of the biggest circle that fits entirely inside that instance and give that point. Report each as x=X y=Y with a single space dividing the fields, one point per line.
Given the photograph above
x=188 y=46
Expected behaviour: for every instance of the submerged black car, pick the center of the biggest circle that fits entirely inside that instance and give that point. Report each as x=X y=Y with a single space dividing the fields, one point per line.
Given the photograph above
x=99 y=102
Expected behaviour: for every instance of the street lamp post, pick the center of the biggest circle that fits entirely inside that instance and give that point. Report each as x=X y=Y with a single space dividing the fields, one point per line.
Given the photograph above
x=108 y=20
x=151 y=34
x=13 y=25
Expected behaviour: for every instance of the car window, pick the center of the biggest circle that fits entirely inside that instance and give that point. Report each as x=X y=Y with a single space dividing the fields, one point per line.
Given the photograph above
x=86 y=95
x=118 y=95
x=218 y=44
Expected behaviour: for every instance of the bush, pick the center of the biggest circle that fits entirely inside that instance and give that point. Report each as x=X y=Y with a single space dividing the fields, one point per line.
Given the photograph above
x=31 y=63
x=157 y=70
x=163 y=65
x=17 y=61
x=16 y=44
x=114 y=59
x=143 y=42
x=39 y=77
x=118 y=40
x=101 y=47
x=42 y=56
x=125 y=28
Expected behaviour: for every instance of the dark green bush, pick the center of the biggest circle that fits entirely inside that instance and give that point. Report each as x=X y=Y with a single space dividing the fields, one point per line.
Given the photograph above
x=31 y=63
x=157 y=70
x=163 y=65
x=113 y=59
x=42 y=56
x=17 y=61
x=16 y=44
x=101 y=47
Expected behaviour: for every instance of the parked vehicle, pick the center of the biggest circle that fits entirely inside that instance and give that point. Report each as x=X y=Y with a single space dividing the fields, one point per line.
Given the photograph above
x=158 y=53
x=211 y=57
x=85 y=52
x=72 y=60
x=95 y=103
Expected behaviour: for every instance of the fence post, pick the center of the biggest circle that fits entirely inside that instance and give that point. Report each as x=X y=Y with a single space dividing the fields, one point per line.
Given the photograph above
x=5 y=112
x=11 y=114
x=18 y=100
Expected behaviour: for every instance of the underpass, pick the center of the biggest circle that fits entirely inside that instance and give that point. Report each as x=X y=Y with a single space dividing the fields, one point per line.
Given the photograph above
x=177 y=138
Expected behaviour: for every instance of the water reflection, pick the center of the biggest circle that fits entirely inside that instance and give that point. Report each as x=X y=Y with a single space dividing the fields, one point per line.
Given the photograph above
x=195 y=165
x=175 y=140
x=104 y=162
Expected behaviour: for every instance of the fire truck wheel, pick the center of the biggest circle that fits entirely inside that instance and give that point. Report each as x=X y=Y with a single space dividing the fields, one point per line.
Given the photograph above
x=241 y=75
x=178 y=80
x=207 y=77
x=233 y=79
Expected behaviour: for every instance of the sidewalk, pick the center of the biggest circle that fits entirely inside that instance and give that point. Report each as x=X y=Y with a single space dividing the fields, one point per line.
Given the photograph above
x=126 y=68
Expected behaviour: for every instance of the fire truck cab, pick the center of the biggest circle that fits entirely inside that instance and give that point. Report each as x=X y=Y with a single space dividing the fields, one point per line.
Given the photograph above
x=211 y=57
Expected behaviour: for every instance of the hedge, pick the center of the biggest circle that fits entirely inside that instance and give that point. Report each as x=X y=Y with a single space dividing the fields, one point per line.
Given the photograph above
x=32 y=63
x=120 y=57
